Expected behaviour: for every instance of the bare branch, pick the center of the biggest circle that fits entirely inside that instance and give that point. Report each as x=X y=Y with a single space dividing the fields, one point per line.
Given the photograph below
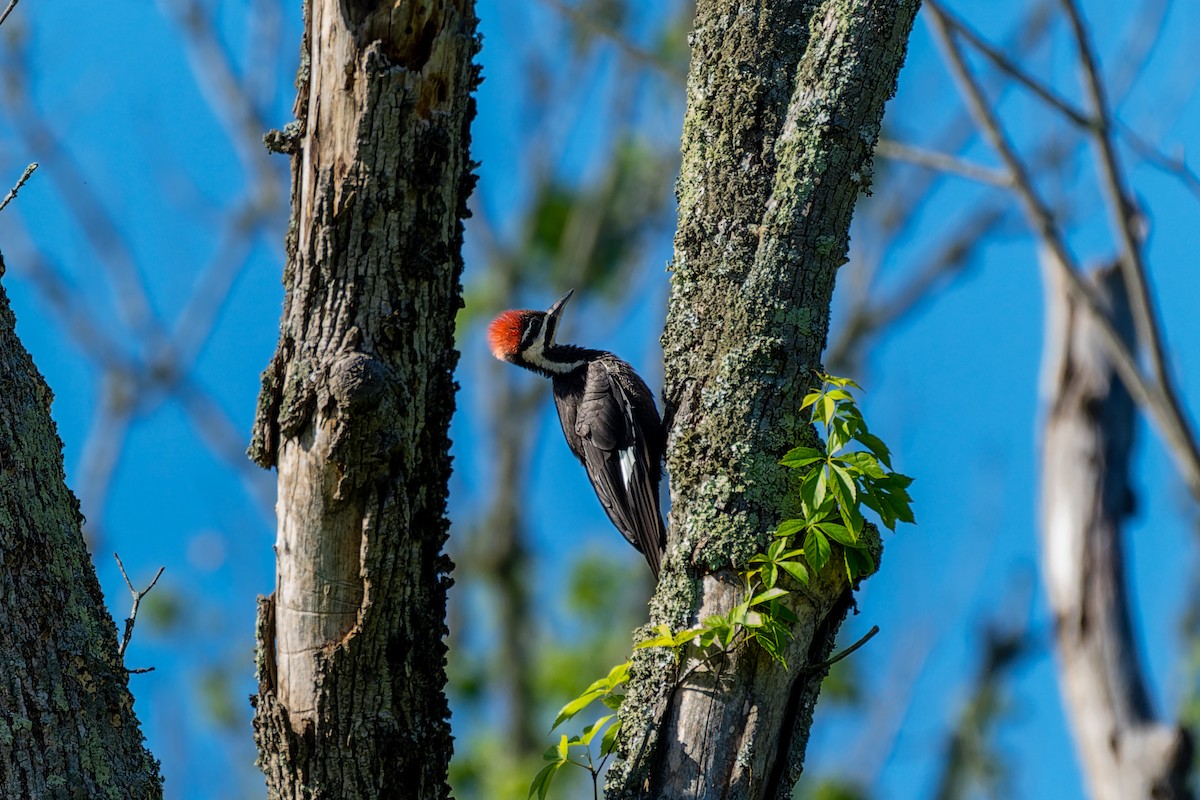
x=129 y=622
x=1165 y=411
x=12 y=193
x=8 y=10
x=826 y=664
x=942 y=162
x=1008 y=66
x=1123 y=215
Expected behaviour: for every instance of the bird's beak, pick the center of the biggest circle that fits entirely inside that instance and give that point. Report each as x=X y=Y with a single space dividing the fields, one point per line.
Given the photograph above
x=553 y=314
x=556 y=309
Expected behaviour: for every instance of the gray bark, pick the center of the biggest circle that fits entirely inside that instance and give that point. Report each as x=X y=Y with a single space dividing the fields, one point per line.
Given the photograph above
x=67 y=727
x=1086 y=446
x=784 y=107
x=356 y=403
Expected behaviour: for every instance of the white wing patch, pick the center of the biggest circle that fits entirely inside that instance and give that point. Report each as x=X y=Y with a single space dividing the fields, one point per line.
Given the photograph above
x=628 y=462
x=627 y=455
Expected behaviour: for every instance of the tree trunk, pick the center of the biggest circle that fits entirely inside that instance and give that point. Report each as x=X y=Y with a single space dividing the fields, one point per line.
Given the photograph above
x=67 y=727
x=356 y=403
x=784 y=107
x=1086 y=495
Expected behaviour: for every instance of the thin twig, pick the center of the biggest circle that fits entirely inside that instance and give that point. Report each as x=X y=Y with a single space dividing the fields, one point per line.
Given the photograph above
x=942 y=162
x=1176 y=166
x=1008 y=66
x=8 y=10
x=129 y=622
x=12 y=193
x=1163 y=410
x=1121 y=210
x=1147 y=150
x=833 y=660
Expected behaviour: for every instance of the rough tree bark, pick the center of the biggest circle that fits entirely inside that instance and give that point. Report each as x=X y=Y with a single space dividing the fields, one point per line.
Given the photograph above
x=67 y=727
x=356 y=403
x=1086 y=447
x=784 y=107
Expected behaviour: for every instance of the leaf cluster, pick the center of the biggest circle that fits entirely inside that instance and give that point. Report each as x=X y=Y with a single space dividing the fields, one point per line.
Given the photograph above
x=559 y=755
x=838 y=482
x=835 y=486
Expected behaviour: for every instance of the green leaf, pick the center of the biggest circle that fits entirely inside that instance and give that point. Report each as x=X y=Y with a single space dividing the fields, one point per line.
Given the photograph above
x=819 y=489
x=858 y=562
x=874 y=501
x=590 y=731
x=876 y=446
x=864 y=463
x=809 y=399
x=685 y=636
x=816 y=549
x=900 y=504
x=846 y=491
x=837 y=436
x=769 y=594
x=828 y=409
x=801 y=457
x=613 y=701
x=853 y=519
x=770 y=574
x=808 y=489
x=839 y=534
x=841 y=382
x=617 y=676
x=609 y=741
x=775 y=549
x=578 y=704
x=784 y=614
x=541 y=782
x=796 y=570
x=790 y=527
x=658 y=641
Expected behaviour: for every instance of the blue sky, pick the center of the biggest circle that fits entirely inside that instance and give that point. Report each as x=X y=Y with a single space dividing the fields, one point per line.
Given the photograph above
x=953 y=387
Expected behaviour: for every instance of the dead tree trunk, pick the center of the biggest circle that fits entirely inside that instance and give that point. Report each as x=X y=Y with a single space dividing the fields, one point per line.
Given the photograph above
x=1086 y=495
x=356 y=403
x=784 y=107
x=67 y=727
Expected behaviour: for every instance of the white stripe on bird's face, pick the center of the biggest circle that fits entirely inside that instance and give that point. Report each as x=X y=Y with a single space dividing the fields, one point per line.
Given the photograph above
x=535 y=353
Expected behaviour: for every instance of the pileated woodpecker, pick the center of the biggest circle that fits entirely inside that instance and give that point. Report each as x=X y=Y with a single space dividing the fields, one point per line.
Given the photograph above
x=607 y=414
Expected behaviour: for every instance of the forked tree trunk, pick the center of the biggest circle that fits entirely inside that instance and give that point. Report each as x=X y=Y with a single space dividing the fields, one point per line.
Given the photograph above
x=67 y=727
x=356 y=403
x=784 y=107
x=1086 y=495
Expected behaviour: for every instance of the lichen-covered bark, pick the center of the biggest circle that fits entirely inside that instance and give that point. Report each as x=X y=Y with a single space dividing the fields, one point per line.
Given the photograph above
x=784 y=107
x=67 y=727
x=1086 y=495
x=356 y=403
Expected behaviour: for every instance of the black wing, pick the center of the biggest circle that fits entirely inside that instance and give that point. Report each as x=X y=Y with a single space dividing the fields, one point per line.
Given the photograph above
x=618 y=448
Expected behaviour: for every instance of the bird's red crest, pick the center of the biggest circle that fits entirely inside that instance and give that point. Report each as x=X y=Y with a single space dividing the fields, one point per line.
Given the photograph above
x=504 y=334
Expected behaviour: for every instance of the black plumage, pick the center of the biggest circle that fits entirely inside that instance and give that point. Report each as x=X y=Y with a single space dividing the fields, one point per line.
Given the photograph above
x=612 y=427
x=608 y=417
